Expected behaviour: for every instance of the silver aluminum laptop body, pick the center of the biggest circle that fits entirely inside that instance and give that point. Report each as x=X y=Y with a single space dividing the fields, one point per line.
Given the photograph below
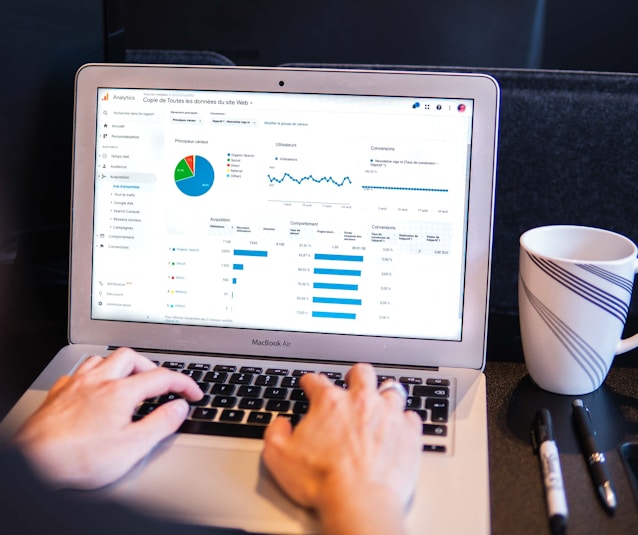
x=285 y=218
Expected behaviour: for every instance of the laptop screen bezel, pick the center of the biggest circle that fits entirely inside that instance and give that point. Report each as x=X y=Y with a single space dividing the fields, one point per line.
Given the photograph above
x=468 y=352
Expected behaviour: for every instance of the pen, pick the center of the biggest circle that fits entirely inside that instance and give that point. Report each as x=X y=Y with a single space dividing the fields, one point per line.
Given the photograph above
x=595 y=458
x=544 y=444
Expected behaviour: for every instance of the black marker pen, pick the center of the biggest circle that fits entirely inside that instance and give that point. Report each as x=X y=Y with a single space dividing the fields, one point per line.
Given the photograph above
x=595 y=458
x=544 y=445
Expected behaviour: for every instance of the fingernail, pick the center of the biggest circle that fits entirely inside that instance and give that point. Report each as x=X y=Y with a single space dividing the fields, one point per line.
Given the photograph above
x=181 y=408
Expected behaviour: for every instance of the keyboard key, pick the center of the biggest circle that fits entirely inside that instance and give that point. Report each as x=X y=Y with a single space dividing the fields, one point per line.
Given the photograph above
x=431 y=391
x=199 y=366
x=435 y=448
x=432 y=429
x=225 y=368
x=290 y=381
x=381 y=378
x=215 y=377
x=251 y=403
x=300 y=407
x=223 y=389
x=250 y=369
x=422 y=413
x=267 y=380
x=200 y=403
x=437 y=382
x=225 y=429
x=278 y=405
x=411 y=380
x=173 y=365
x=413 y=402
x=146 y=408
x=229 y=415
x=439 y=408
x=333 y=375
x=204 y=413
x=249 y=391
x=276 y=393
x=241 y=378
x=168 y=397
x=195 y=375
x=294 y=418
x=297 y=394
x=224 y=401
x=276 y=371
x=301 y=373
x=260 y=418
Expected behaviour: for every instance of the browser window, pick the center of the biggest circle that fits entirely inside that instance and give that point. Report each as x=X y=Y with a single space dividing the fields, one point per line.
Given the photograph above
x=316 y=213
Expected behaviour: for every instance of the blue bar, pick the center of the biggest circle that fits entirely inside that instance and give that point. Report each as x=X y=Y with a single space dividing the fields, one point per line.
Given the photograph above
x=335 y=315
x=333 y=286
x=346 y=272
x=234 y=280
x=238 y=267
x=340 y=257
x=248 y=252
x=336 y=301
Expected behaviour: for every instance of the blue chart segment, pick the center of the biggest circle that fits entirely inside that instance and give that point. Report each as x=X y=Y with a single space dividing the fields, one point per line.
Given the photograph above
x=194 y=175
x=239 y=266
x=327 y=179
x=335 y=301
x=244 y=256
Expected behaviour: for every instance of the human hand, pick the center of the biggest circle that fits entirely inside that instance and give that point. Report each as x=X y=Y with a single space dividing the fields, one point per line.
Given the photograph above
x=82 y=436
x=354 y=456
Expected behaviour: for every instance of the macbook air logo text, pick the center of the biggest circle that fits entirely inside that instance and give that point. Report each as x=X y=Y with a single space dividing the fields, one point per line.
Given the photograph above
x=271 y=343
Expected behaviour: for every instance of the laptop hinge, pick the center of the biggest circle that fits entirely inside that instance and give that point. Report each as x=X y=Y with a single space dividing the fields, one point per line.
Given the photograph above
x=275 y=358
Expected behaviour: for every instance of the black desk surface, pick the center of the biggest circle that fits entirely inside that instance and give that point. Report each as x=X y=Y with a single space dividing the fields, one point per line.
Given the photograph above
x=517 y=499
x=34 y=327
x=517 y=495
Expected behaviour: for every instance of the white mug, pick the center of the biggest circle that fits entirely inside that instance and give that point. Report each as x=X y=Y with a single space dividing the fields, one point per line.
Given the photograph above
x=574 y=290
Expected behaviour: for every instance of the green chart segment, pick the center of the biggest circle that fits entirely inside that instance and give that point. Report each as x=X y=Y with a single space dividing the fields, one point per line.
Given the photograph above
x=194 y=175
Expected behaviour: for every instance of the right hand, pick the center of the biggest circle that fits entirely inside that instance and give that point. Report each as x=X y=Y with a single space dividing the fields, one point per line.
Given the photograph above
x=354 y=457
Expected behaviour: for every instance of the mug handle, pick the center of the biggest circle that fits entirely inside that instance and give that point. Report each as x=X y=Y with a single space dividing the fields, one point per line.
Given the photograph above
x=631 y=342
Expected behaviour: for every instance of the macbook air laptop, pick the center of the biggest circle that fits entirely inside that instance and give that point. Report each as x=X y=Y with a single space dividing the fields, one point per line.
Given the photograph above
x=248 y=225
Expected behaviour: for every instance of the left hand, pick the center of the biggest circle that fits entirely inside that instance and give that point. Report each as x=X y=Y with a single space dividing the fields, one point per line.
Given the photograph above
x=83 y=436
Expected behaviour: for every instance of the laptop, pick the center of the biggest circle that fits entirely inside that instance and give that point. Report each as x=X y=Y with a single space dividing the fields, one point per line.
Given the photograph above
x=248 y=225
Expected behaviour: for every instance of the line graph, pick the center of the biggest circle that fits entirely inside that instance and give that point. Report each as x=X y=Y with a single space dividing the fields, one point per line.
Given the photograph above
x=402 y=188
x=310 y=178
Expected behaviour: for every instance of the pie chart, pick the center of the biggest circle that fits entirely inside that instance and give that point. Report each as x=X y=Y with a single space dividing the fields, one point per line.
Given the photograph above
x=194 y=175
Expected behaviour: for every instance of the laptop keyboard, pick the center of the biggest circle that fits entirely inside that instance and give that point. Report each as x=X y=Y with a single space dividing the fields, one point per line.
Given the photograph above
x=240 y=401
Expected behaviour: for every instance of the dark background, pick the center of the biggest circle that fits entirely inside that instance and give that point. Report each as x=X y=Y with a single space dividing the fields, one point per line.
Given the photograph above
x=42 y=44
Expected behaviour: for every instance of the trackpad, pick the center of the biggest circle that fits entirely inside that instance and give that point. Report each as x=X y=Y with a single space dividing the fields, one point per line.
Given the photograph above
x=212 y=481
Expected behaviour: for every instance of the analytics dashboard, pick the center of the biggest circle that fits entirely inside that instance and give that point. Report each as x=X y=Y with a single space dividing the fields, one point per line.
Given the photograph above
x=280 y=211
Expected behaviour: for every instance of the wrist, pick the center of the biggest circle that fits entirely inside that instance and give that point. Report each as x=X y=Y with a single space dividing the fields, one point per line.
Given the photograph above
x=360 y=508
x=44 y=454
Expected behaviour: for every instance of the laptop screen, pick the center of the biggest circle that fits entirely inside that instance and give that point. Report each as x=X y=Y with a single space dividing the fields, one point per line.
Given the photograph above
x=314 y=213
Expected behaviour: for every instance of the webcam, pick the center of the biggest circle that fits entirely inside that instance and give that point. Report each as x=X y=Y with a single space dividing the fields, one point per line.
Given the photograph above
x=281 y=83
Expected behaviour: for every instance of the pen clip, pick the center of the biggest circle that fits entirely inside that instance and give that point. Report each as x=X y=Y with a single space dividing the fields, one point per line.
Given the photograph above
x=579 y=403
x=533 y=434
x=591 y=423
